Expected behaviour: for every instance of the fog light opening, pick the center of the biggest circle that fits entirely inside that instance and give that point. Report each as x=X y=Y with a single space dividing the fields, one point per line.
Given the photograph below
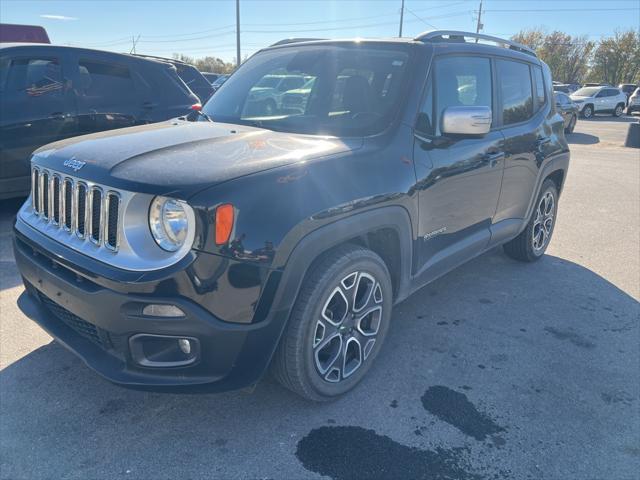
x=185 y=346
x=162 y=310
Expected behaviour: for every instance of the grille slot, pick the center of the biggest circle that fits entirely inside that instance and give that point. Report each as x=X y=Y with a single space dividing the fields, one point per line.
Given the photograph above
x=81 y=213
x=113 y=207
x=78 y=207
x=96 y=215
x=44 y=186
x=35 y=188
x=67 y=203
x=55 y=190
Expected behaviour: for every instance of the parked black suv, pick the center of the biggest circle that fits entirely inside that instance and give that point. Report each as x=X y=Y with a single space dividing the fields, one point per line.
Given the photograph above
x=196 y=254
x=49 y=92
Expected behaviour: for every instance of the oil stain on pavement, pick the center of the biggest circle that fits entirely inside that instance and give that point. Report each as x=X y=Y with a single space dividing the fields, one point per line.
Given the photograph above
x=456 y=409
x=347 y=452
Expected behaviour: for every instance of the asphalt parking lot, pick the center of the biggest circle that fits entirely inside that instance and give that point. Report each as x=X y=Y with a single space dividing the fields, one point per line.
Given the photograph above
x=497 y=370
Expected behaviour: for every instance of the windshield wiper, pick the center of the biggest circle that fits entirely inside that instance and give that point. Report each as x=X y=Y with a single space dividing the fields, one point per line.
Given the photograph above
x=204 y=115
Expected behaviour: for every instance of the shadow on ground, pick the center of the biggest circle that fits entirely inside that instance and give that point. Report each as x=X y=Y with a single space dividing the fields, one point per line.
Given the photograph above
x=582 y=138
x=521 y=341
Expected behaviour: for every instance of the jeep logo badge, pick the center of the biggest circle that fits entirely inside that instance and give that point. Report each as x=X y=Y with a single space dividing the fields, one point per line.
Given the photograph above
x=74 y=164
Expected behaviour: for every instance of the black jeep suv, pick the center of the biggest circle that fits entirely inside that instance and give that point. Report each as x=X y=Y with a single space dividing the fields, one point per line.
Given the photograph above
x=196 y=254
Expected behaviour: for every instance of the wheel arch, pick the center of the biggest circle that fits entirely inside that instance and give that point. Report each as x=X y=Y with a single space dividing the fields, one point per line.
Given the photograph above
x=386 y=231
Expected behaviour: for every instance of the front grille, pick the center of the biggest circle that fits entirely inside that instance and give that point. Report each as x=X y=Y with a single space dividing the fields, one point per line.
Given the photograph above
x=70 y=204
x=89 y=331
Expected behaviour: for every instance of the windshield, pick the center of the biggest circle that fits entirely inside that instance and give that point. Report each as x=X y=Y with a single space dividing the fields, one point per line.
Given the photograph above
x=341 y=90
x=587 y=91
x=220 y=80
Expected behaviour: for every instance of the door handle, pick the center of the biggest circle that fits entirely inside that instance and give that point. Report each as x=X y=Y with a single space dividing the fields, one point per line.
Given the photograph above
x=493 y=158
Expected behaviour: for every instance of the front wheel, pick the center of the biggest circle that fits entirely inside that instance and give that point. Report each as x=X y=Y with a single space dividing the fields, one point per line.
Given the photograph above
x=337 y=326
x=587 y=111
x=533 y=241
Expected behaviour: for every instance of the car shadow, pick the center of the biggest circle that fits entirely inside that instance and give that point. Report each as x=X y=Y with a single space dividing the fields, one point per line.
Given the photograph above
x=493 y=325
x=610 y=118
x=582 y=138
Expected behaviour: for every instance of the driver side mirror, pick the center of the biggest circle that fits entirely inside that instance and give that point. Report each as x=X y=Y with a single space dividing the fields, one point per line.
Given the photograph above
x=463 y=120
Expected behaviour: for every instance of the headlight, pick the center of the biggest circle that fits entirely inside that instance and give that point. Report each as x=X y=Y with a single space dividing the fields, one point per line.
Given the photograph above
x=168 y=222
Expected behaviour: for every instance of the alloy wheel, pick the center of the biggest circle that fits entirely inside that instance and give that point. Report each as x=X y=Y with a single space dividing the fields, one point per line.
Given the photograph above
x=347 y=330
x=587 y=112
x=543 y=222
x=618 y=111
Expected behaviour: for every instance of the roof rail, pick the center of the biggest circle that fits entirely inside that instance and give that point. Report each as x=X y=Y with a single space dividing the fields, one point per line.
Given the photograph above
x=294 y=40
x=455 y=36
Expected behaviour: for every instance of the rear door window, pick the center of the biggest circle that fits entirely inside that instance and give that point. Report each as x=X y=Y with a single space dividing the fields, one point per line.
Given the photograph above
x=104 y=83
x=35 y=77
x=514 y=82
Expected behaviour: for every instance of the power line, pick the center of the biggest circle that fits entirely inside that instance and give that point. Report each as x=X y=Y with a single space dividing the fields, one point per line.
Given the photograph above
x=422 y=19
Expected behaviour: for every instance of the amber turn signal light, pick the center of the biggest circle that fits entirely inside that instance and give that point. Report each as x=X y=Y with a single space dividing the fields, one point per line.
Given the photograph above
x=224 y=223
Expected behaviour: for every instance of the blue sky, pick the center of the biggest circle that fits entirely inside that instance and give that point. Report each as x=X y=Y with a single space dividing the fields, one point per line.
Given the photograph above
x=207 y=27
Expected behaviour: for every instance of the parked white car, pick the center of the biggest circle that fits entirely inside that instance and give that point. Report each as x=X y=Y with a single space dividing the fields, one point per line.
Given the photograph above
x=634 y=102
x=602 y=99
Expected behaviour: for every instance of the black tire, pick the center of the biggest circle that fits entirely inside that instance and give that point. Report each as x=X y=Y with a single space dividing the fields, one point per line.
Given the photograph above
x=299 y=357
x=269 y=108
x=587 y=111
x=619 y=110
x=522 y=247
x=572 y=124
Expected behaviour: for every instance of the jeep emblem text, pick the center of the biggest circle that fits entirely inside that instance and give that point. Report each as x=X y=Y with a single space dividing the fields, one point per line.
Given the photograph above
x=74 y=164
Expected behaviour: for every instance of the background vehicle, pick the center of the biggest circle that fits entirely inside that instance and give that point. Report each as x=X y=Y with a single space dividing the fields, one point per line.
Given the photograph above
x=592 y=100
x=266 y=96
x=286 y=239
x=634 y=102
x=218 y=83
x=10 y=33
x=568 y=110
x=627 y=89
x=49 y=92
x=211 y=77
x=190 y=75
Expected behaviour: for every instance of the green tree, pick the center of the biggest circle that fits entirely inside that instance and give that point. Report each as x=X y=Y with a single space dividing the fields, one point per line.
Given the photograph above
x=567 y=56
x=617 y=59
x=206 y=64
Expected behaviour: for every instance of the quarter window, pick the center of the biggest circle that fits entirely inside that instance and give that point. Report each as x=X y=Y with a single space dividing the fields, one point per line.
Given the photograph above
x=105 y=83
x=514 y=81
x=537 y=72
x=462 y=81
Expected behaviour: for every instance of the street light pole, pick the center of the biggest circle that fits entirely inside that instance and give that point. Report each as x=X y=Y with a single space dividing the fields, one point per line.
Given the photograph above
x=237 y=33
x=401 y=18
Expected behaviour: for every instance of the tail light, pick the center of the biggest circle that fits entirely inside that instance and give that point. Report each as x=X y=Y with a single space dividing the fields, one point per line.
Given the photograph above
x=224 y=223
x=196 y=107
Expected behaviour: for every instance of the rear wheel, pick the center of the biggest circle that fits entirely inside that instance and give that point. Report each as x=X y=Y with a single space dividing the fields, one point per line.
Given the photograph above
x=337 y=326
x=587 y=111
x=619 y=110
x=533 y=241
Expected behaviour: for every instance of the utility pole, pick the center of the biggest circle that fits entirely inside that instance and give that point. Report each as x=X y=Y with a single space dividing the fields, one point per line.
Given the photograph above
x=134 y=41
x=401 y=18
x=237 y=33
x=479 y=25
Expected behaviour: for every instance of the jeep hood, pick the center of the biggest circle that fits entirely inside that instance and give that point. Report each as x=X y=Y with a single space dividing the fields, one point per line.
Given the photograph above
x=180 y=158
